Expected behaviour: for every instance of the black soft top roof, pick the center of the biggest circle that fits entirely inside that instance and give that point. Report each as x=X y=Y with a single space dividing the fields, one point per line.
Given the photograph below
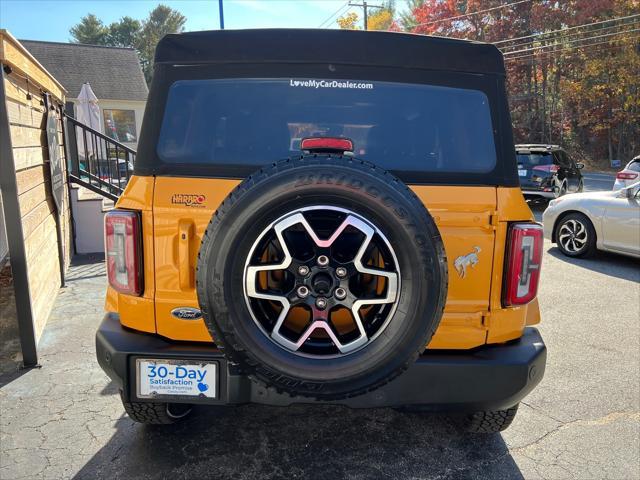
x=348 y=47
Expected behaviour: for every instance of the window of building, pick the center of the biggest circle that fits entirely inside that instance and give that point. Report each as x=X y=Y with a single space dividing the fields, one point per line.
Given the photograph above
x=120 y=125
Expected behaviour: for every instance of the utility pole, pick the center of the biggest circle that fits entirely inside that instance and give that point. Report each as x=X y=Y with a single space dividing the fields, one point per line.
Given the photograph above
x=365 y=6
x=221 y=15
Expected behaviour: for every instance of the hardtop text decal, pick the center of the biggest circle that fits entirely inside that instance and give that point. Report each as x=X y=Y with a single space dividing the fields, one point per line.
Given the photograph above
x=188 y=199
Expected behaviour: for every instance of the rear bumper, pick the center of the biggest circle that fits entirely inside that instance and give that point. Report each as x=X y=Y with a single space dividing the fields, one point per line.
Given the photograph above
x=619 y=184
x=486 y=378
x=538 y=193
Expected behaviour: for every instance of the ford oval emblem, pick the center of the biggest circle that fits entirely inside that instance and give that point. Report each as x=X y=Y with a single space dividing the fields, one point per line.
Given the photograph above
x=186 y=313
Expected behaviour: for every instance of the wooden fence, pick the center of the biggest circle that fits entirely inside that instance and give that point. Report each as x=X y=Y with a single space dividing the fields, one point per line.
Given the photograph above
x=28 y=90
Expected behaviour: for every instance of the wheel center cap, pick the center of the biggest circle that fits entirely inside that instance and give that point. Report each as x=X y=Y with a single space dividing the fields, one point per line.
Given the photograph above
x=321 y=283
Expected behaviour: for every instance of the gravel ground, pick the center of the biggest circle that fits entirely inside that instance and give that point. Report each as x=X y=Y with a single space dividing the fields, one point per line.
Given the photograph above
x=583 y=421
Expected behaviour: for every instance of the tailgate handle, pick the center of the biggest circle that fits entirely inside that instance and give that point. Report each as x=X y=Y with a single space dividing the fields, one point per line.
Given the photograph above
x=185 y=269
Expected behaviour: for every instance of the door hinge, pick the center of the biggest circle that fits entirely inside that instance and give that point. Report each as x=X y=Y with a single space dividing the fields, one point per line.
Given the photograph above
x=494 y=220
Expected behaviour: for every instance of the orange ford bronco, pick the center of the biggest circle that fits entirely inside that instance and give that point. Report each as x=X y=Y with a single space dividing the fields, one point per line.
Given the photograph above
x=322 y=216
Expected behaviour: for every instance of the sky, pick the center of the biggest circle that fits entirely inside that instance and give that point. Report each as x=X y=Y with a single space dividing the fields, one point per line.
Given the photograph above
x=51 y=20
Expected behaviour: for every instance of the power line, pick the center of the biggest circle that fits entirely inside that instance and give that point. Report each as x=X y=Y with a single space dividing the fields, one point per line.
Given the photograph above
x=567 y=29
x=334 y=14
x=553 y=53
x=471 y=14
x=529 y=60
x=563 y=37
x=562 y=42
x=578 y=47
x=542 y=47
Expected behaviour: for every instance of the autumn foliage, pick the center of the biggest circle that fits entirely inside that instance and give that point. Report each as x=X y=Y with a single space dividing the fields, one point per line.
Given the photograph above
x=573 y=67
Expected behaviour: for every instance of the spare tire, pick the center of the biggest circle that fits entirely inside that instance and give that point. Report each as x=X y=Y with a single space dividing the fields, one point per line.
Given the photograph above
x=322 y=276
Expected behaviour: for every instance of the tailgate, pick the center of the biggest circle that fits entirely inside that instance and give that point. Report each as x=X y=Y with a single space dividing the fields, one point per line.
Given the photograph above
x=464 y=216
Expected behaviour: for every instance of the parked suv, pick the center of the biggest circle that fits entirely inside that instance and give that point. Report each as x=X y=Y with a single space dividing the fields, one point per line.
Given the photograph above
x=322 y=216
x=547 y=171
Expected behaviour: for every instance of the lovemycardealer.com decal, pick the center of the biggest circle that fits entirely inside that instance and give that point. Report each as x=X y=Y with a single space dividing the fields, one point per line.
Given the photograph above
x=331 y=84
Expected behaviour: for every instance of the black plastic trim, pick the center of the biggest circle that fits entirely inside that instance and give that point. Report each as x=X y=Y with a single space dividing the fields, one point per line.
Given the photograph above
x=492 y=377
x=276 y=45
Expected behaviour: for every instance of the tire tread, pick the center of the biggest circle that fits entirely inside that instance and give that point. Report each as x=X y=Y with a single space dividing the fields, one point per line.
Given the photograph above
x=150 y=413
x=490 y=421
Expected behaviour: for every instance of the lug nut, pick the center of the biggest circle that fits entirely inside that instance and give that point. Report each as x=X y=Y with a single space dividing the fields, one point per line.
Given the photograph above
x=323 y=260
x=321 y=303
x=302 y=291
x=303 y=270
x=341 y=272
x=341 y=293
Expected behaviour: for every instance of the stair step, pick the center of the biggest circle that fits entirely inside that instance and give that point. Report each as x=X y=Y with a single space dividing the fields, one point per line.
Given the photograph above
x=90 y=192
x=107 y=204
x=84 y=195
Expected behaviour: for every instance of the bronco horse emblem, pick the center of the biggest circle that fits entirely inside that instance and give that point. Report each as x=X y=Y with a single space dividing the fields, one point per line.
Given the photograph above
x=462 y=262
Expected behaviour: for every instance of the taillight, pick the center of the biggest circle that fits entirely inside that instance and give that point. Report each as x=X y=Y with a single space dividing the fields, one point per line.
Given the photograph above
x=626 y=176
x=524 y=259
x=546 y=168
x=123 y=249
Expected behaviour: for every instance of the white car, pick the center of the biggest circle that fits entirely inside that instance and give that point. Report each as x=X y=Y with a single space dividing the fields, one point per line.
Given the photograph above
x=583 y=222
x=628 y=175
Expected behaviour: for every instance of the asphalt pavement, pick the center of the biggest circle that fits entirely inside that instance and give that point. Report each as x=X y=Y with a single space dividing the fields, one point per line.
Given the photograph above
x=598 y=181
x=65 y=419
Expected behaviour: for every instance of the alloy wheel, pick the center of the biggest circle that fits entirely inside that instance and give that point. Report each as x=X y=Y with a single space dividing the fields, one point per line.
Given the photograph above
x=322 y=281
x=573 y=235
x=563 y=190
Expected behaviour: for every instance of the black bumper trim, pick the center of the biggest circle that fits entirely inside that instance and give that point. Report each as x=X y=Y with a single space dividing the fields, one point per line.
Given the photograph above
x=487 y=378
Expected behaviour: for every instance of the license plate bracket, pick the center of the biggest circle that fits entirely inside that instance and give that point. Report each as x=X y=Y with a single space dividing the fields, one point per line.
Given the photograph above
x=177 y=379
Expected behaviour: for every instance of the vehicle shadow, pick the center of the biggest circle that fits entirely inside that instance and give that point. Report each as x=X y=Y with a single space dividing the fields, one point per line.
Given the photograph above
x=14 y=374
x=307 y=442
x=538 y=206
x=614 y=265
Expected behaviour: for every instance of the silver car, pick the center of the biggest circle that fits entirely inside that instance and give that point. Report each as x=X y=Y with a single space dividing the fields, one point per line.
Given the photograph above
x=629 y=175
x=583 y=222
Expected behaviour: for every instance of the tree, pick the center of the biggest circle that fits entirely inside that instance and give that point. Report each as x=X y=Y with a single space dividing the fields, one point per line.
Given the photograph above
x=124 y=33
x=349 y=21
x=90 y=30
x=129 y=32
x=162 y=20
x=377 y=18
x=407 y=18
x=382 y=18
x=578 y=88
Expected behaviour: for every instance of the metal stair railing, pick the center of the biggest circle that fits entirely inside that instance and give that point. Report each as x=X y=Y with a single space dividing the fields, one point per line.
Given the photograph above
x=96 y=161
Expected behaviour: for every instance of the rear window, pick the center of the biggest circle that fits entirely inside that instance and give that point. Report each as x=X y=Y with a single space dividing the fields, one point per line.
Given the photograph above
x=401 y=127
x=634 y=165
x=535 y=159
